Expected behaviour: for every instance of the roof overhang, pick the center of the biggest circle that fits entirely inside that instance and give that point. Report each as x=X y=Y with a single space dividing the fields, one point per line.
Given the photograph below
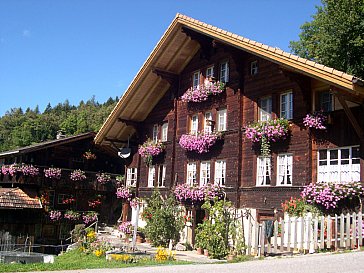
x=175 y=50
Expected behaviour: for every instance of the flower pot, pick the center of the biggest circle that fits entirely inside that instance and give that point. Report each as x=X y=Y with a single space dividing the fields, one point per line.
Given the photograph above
x=206 y=252
x=230 y=257
x=199 y=251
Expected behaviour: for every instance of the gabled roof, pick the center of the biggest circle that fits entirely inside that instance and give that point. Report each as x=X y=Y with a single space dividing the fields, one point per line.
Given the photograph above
x=15 y=198
x=48 y=144
x=175 y=50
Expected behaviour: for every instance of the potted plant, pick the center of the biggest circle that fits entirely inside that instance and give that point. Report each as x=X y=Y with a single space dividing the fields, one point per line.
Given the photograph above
x=200 y=143
x=202 y=92
x=149 y=149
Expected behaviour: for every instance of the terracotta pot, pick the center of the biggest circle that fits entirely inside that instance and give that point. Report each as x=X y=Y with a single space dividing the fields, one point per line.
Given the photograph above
x=199 y=251
x=206 y=252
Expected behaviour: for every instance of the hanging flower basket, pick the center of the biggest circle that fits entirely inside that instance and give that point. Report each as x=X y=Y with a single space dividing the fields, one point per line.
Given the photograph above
x=78 y=175
x=200 y=143
x=55 y=215
x=317 y=120
x=203 y=91
x=149 y=149
x=89 y=155
x=28 y=170
x=124 y=193
x=72 y=215
x=89 y=217
x=103 y=178
x=53 y=173
x=10 y=169
x=94 y=203
x=266 y=132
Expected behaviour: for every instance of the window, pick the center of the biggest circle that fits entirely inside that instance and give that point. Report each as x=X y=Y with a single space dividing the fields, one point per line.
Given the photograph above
x=194 y=125
x=221 y=120
x=165 y=131
x=263 y=168
x=151 y=176
x=254 y=68
x=339 y=165
x=210 y=72
x=155 y=132
x=224 y=72
x=204 y=173
x=265 y=108
x=207 y=122
x=287 y=105
x=131 y=177
x=326 y=101
x=220 y=172
x=196 y=79
x=191 y=173
x=284 y=170
x=161 y=176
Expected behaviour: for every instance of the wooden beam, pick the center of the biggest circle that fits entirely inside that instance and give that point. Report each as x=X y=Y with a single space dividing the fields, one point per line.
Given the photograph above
x=131 y=123
x=170 y=77
x=206 y=42
x=351 y=117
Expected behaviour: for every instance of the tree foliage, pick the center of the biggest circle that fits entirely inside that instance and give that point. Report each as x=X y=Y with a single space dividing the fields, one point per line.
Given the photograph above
x=19 y=128
x=335 y=36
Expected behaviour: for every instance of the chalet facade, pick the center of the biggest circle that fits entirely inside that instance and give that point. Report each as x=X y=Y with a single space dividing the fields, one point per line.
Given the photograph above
x=34 y=203
x=260 y=83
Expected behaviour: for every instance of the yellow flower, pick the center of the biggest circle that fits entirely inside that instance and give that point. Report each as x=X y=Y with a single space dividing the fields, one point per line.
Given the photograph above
x=99 y=253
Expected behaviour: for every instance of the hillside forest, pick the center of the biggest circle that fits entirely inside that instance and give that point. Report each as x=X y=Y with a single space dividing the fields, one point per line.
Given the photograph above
x=19 y=128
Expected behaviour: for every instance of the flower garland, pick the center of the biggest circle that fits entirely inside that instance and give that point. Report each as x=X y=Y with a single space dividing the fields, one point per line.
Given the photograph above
x=266 y=132
x=203 y=91
x=316 y=120
x=78 y=175
x=329 y=194
x=186 y=193
x=53 y=173
x=103 y=178
x=124 y=193
x=89 y=217
x=149 y=149
x=200 y=143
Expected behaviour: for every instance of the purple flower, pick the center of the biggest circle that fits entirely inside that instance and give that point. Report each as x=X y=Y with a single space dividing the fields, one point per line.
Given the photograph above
x=200 y=143
x=149 y=149
x=195 y=194
x=126 y=227
x=78 y=175
x=124 y=193
x=54 y=173
x=201 y=92
x=103 y=178
x=89 y=217
x=55 y=215
x=316 y=120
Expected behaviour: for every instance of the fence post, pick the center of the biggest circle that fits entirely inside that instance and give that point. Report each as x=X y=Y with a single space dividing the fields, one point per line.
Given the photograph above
x=249 y=251
x=322 y=235
x=282 y=234
x=295 y=234
x=347 y=233
x=275 y=236
x=302 y=233
x=328 y=244
x=360 y=229
x=342 y=230
x=315 y=233
x=353 y=228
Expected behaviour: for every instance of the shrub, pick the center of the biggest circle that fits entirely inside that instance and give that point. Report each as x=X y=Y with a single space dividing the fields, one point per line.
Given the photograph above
x=164 y=221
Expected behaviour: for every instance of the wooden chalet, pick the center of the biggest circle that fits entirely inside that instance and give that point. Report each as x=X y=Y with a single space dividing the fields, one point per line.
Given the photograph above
x=261 y=83
x=27 y=200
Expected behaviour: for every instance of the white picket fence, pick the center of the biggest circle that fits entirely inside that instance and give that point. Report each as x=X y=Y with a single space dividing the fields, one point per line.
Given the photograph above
x=305 y=234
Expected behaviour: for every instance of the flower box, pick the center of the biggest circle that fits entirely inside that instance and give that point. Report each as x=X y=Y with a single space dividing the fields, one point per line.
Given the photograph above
x=78 y=175
x=203 y=91
x=266 y=132
x=317 y=120
x=89 y=217
x=53 y=173
x=200 y=143
x=195 y=195
x=149 y=149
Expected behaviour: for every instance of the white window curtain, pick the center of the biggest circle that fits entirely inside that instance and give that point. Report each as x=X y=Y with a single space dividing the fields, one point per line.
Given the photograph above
x=151 y=176
x=284 y=168
x=264 y=171
x=191 y=173
x=220 y=172
x=204 y=173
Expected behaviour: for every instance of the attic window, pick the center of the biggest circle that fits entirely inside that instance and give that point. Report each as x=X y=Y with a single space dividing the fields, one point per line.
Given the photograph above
x=254 y=68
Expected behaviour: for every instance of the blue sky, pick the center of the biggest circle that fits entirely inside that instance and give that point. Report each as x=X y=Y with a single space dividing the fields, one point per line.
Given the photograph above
x=51 y=51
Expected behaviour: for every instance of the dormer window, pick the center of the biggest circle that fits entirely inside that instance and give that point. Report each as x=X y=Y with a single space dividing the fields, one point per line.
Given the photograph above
x=254 y=68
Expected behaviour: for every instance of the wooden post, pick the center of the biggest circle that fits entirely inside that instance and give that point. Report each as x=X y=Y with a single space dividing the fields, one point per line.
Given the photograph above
x=275 y=236
x=282 y=235
x=249 y=252
x=329 y=237
x=289 y=234
x=353 y=228
x=360 y=229
x=315 y=233
x=342 y=230
x=347 y=231
x=322 y=235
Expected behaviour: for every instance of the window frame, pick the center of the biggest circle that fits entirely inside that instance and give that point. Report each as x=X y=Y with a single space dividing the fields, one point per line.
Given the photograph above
x=191 y=169
x=328 y=174
x=207 y=127
x=220 y=172
x=196 y=79
x=161 y=183
x=210 y=75
x=155 y=133
x=164 y=133
x=265 y=169
x=262 y=112
x=131 y=176
x=288 y=169
x=205 y=173
x=194 y=124
x=151 y=176
x=221 y=126
x=330 y=102
x=224 y=73
x=254 y=68
x=288 y=108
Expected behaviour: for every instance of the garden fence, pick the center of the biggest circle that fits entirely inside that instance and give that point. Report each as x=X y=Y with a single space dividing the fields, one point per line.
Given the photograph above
x=305 y=234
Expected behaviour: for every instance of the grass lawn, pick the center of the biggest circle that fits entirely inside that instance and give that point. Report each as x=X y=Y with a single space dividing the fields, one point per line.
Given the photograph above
x=78 y=260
